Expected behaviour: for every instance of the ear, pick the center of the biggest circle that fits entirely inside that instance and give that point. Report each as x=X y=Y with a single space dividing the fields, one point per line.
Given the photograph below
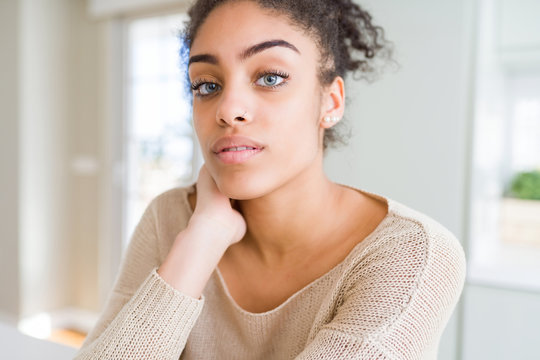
x=333 y=103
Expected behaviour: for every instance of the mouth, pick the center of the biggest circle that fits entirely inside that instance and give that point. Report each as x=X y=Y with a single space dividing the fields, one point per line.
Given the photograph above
x=236 y=149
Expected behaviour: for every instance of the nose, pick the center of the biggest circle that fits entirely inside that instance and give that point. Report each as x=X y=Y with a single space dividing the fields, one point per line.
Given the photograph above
x=232 y=109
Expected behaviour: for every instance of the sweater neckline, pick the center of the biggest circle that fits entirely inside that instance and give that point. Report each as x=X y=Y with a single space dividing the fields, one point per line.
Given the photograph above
x=221 y=281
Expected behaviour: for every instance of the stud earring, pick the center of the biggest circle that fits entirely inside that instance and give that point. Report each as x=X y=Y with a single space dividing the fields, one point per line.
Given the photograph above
x=331 y=119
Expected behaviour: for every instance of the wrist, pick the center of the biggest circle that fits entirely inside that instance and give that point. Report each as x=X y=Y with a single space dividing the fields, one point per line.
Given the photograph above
x=210 y=231
x=191 y=261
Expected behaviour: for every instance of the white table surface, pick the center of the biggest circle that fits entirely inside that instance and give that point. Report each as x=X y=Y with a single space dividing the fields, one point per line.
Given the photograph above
x=15 y=345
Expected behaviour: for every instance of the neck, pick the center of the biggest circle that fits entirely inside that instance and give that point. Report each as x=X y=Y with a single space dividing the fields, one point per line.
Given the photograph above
x=291 y=220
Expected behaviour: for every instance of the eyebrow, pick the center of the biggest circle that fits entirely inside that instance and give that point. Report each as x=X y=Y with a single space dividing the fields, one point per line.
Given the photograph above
x=255 y=49
x=205 y=58
x=250 y=51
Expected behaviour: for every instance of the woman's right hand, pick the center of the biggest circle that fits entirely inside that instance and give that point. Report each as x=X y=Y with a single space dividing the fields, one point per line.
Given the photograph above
x=197 y=249
x=214 y=213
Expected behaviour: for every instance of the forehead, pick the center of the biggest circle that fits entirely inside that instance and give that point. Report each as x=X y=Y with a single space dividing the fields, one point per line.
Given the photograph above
x=232 y=27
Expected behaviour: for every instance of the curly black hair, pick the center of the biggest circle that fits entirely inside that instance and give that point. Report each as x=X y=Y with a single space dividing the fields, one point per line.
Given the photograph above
x=347 y=38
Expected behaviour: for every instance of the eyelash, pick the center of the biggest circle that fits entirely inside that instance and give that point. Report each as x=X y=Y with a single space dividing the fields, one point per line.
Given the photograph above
x=279 y=73
x=198 y=83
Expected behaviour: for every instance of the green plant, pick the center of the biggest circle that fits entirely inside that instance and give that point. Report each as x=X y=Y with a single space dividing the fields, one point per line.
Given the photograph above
x=526 y=185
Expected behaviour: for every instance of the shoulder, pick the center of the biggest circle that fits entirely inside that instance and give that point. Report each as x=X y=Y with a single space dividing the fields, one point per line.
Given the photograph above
x=424 y=239
x=411 y=270
x=403 y=222
x=402 y=284
x=414 y=243
x=408 y=234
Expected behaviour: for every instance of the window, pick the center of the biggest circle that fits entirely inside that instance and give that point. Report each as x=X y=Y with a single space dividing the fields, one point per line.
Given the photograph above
x=161 y=148
x=505 y=221
x=524 y=121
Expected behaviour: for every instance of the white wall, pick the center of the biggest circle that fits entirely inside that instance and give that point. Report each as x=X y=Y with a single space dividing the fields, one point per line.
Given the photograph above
x=49 y=113
x=501 y=324
x=411 y=127
x=45 y=248
x=9 y=159
x=85 y=151
x=101 y=8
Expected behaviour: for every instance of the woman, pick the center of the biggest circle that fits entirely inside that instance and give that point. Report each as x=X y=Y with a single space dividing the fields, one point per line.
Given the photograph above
x=266 y=258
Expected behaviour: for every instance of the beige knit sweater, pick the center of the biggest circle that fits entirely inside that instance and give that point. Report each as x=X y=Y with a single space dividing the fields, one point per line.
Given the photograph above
x=389 y=299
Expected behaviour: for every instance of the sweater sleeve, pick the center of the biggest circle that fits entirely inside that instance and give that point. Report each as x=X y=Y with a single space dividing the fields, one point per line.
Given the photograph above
x=145 y=318
x=401 y=297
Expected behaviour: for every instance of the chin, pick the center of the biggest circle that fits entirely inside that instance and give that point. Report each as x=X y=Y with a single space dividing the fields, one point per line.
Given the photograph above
x=240 y=191
x=243 y=186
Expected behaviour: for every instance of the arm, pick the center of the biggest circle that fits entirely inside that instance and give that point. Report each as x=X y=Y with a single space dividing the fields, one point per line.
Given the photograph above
x=214 y=226
x=401 y=297
x=151 y=311
x=137 y=305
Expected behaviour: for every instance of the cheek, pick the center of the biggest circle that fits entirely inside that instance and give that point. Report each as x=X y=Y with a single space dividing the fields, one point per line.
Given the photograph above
x=298 y=119
x=294 y=141
x=202 y=121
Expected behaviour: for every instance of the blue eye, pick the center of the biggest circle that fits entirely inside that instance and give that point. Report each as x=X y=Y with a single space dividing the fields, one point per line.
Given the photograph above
x=205 y=88
x=270 y=80
x=208 y=88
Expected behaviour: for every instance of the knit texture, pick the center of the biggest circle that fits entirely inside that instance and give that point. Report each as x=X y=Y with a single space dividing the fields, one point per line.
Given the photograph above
x=390 y=298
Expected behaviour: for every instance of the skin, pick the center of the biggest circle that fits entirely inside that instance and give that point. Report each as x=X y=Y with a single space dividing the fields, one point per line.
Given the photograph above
x=288 y=223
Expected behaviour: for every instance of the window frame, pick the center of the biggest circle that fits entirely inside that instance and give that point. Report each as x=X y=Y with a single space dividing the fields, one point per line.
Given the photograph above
x=492 y=262
x=113 y=185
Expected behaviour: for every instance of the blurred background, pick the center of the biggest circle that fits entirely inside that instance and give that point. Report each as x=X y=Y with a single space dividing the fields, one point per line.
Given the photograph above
x=94 y=122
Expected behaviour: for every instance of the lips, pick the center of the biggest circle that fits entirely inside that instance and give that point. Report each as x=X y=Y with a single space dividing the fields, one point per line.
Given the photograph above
x=235 y=144
x=236 y=149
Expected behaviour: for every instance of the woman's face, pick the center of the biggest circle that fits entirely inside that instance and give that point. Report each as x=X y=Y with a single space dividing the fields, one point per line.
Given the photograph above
x=257 y=104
